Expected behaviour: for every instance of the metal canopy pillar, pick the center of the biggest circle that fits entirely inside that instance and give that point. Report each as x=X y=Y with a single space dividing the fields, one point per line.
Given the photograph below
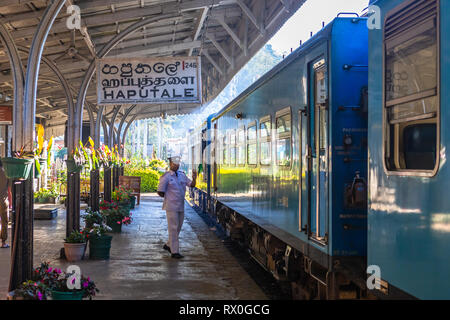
x=25 y=90
x=120 y=141
x=95 y=174
x=76 y=117
x=115 y=176
x=126 y=131
x=20 y=260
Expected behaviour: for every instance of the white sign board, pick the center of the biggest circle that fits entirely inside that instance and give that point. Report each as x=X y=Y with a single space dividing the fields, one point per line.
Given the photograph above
x=149 y=80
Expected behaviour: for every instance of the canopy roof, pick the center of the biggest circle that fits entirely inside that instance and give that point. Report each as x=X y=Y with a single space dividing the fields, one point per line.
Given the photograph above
x=225 y=33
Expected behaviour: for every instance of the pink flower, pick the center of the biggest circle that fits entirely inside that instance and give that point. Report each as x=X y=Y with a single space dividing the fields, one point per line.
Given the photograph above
x=85 y=284
x=49 y=269
x=88 y=279
x=39 y=294
x=73 y=281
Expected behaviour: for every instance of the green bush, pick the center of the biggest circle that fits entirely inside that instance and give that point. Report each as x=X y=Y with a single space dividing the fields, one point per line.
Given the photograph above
x=149 y=177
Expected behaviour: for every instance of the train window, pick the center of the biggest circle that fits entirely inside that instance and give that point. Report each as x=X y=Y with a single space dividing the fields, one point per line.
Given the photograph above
x=265 y=141
x=251 y=145
x=283 y=129
x=284 y=124
x=233 y=148
x=412 y=89
x=241 y=146
x=251 y=132
x=284 y=152
x=223 y=151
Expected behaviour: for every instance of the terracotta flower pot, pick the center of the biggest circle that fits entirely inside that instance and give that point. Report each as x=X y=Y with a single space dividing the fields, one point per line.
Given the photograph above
x=74 y=251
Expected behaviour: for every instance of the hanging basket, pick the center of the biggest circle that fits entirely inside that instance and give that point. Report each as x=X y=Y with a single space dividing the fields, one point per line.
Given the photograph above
x=72 y=167
x=42 y=163
x=17 y=168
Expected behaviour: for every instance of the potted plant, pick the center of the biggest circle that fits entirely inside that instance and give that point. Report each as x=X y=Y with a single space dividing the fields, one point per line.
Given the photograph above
x=95 y=230
x=53 y=194
x=76 y=160
x=75 y=246
x=105 y=156
x=60 y=291
x=133 y=201
x=54 y=283
x=122 y=196
x=38 y=150
x=19 y=166
x=83 y=155
x=47 y=196
x=31 y=290
x=115 y=215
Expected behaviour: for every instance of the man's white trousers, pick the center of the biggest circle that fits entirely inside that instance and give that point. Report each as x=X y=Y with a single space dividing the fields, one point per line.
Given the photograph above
x=174 y=223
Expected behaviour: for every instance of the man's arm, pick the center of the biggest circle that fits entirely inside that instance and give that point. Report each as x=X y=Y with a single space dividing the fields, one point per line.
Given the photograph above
x=194 y=178
x=162 y=186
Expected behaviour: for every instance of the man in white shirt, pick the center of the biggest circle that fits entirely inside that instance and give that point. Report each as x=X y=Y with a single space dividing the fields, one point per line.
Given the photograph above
x=172 y=187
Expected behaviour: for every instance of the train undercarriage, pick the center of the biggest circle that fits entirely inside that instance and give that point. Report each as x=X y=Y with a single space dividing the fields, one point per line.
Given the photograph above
x=300 y=274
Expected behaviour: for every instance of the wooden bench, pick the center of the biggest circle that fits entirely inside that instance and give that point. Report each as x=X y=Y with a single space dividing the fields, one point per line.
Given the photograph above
x=133 y=183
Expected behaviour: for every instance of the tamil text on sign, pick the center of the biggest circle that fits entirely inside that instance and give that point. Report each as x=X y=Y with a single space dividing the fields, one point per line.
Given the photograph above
x=148 y=80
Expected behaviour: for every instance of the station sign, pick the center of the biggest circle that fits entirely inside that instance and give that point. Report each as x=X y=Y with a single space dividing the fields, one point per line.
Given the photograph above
x=148 y=80
x=6 y=115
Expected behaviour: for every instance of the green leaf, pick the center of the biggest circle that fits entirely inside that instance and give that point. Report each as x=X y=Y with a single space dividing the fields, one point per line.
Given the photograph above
x=91 y=142
x=37 y=164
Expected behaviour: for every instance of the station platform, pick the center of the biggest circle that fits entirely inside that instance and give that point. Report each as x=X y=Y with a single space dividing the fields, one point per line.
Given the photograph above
x=140 y=269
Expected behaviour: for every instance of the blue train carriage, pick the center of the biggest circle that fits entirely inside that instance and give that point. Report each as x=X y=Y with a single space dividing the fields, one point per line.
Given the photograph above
x=199 y=158
x=290 y=161
x=409 y=212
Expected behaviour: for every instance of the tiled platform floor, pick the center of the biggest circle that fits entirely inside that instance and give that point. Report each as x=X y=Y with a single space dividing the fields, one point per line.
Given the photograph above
x=140 y=269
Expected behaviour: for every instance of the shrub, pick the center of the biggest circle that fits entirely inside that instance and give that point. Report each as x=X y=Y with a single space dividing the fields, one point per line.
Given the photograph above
x=115 y=214
x=149 y=177
x=76 y=237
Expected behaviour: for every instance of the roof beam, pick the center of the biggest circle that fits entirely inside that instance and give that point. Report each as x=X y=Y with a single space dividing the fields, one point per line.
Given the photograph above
x=200 y=21
x=220 y=48
x=155 y=40
x=7 y=3
x=230 y=31
x=184 y=6
x=214 y=63
x=156 y=49
x=251 y=16
x=150 y=32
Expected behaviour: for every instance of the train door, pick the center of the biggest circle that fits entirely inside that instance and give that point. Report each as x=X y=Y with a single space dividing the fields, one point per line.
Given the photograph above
x=216 y=156
x=301 y=220
x=318 y=151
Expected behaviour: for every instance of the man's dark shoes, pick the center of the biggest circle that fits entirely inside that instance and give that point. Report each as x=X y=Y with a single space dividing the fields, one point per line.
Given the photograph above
x=177 y=256
x=166 y=247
